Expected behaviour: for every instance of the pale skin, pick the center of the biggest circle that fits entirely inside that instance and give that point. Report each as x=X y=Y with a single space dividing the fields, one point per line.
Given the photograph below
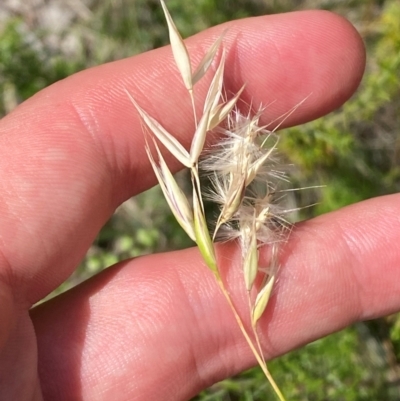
x=157 y=327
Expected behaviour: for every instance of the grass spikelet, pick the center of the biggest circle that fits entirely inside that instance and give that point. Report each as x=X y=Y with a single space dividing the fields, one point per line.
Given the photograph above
x=179 y=50
x=163 y=135
x=199 y=138
x=207 y=60
x=263 y=297
x=202 y=235
x=215 y=89
x=244 y=173
x=220 y=112
x=250 y=254
x=175 y=197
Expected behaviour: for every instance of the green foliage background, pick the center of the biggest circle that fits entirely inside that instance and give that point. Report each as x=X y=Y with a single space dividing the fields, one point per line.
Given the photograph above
x=355 y=151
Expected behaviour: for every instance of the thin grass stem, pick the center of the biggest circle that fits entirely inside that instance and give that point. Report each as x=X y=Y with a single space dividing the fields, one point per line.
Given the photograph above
x=258 y=355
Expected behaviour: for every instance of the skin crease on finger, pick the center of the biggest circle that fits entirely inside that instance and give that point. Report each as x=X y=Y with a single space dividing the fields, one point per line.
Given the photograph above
x=75 y=151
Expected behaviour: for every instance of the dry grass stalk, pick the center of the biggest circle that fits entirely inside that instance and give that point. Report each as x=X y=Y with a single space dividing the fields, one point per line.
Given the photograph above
x=243 y=172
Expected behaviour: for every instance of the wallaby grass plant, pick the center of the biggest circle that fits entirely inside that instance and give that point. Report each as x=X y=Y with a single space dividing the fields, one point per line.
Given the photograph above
x=244 y=176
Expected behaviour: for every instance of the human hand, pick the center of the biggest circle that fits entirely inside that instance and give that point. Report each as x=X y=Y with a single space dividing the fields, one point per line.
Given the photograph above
x=157 y=327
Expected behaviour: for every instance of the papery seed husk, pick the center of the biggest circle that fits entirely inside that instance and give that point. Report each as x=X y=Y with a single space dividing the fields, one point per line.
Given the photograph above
x=215 y=89
x=174 y=196
x=233 y=203
x=214 y=116
x=220 y=113
x=205 y=63
x=181 y=207
x=199 y=138
x=262 y=299
x=250 y=261
x=257 y=165
x=179 y=50
x=168 y=140
x=203 y=238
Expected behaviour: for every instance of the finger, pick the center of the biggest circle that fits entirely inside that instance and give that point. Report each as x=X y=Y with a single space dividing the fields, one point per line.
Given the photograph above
x=73 y=152
x=162 y=319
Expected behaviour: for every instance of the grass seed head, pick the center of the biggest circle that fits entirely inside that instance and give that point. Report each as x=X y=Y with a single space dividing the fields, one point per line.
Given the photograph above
x=244 y=177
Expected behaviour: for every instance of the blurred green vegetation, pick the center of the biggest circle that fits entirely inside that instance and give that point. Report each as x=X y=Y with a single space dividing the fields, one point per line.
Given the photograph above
x=333 y=368
x=354 y=151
